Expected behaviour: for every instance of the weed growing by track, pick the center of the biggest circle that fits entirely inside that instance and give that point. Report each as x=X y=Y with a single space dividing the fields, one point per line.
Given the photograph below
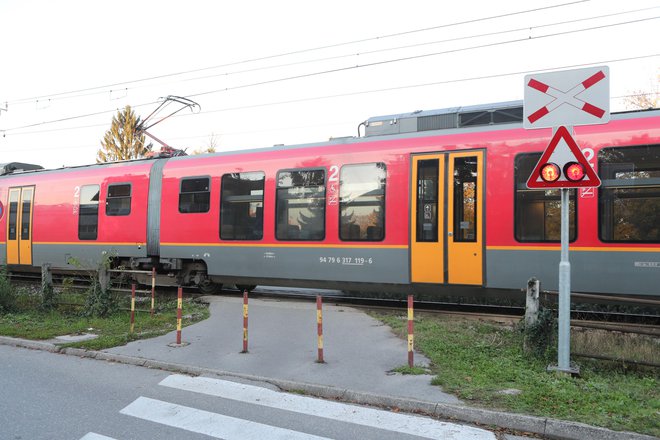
x=29 y=321
x=484 y=364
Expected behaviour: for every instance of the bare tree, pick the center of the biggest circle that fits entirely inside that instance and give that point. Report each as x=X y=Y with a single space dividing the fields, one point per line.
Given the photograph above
x=640 y=99
x=210 y=146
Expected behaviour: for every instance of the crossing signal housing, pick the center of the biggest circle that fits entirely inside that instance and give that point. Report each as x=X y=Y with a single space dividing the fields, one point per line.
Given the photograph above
x=550 y=172
x=574 y=171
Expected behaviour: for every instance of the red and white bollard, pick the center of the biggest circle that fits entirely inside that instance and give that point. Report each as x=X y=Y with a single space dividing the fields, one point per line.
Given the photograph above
x=153 y=290
x=132 y=308
x=179 y=306
x=411 y=337
x=245 y=321
x=319 y=327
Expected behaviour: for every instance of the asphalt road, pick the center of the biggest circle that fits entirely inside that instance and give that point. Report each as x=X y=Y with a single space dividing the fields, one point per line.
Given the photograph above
x=51 y=396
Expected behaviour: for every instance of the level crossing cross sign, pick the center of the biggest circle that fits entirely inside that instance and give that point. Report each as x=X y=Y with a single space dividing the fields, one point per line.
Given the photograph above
x=563 y=165
x=568 y=97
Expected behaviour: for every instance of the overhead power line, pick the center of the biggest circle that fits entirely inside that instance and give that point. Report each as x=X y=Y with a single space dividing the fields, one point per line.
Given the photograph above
x=295 y=52
x=387 y=89
x=348 y=68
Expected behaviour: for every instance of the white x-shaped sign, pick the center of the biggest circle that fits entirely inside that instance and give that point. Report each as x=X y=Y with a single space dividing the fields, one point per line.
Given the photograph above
x=567 y=87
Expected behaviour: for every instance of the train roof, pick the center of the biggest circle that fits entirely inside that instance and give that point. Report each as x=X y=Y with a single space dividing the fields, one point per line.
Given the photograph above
x=440 y=119
x=17 y=167
x=487 y=117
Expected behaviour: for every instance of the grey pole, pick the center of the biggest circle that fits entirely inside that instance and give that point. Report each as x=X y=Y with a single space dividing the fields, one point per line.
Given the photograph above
x=564 y=350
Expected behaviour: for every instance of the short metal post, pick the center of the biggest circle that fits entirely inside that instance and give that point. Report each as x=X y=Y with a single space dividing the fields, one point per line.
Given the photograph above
x=153 y=290
x=319 y=327
x=179 y=306
x=245 y=321
x=132 y=308
x=411 y=338
x=532 y=303
x=104 y=280
x=47 y=292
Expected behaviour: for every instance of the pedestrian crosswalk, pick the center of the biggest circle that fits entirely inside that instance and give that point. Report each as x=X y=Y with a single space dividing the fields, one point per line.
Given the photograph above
x=208 y=423
x=193 y=420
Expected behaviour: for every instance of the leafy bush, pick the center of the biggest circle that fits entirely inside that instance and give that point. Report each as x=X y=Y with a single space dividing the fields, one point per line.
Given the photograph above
x=7 y=293
x=539 y=339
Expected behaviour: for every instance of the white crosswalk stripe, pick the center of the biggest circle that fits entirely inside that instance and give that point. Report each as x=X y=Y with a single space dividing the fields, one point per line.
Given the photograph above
x=95 y=436
x=208 y=423
x=402 y=423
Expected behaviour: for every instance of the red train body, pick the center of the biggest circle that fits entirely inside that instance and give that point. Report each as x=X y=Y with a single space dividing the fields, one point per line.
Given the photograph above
x=425 y=210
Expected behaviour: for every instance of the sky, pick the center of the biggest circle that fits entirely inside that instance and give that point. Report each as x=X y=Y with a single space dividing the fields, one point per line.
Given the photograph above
x=290 y=72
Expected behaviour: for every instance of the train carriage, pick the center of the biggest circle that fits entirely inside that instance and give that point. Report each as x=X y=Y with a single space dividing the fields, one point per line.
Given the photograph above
x=427 y=201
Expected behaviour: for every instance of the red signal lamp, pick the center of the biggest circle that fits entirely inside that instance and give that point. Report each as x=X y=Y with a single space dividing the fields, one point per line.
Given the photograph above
x=574 y=171
x=550 y=172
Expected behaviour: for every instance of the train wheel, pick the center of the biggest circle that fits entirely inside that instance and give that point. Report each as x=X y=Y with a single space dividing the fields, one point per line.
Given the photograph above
x=244 y=287
x=209 y=287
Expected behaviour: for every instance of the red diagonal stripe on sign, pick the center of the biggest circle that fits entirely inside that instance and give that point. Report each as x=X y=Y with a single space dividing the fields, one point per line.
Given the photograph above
x=593 y=79
x=538 y=114
x=593 y=110
x=538 y=85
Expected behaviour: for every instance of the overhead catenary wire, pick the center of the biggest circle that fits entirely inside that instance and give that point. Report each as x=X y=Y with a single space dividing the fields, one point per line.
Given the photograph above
x=353 y=67
x=364 y=92
x=300 y=51
x=370 y=52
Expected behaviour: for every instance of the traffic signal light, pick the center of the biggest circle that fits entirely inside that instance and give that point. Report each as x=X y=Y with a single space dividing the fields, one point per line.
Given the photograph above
x=573 y=171
x=562 y=165
x=550 y=172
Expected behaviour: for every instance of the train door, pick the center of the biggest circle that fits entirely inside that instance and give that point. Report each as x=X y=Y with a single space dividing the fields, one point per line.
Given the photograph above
x=19 y=225
x=447 y=218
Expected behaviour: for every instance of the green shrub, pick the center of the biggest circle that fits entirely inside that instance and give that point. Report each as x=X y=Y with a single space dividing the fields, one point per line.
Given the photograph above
x=540 y=338
x=7 y=293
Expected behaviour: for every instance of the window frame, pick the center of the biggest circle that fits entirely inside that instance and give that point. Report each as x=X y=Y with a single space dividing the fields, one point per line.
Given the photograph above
x=208 y=206
x=248 y=198
x=80 y=211
x=383 y=204
x=609 y=185
x=277 y=200
x=459 y=195
x=129 y=197
x=572 y=196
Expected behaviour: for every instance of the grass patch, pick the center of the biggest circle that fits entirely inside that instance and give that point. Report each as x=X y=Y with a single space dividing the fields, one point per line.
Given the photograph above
x=479 y=361
x=416 y=370
x=27 y=321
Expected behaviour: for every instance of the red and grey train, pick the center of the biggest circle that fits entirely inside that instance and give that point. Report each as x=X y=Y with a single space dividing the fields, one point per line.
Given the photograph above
x=427 y=201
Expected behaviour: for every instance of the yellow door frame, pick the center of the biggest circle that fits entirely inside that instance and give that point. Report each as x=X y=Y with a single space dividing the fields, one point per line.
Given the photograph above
x=427 y=256
x=465 y=253
x=19 y=233
x=453 y=257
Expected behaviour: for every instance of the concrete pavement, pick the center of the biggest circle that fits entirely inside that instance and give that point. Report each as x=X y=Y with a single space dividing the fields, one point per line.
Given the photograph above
x=359 y=354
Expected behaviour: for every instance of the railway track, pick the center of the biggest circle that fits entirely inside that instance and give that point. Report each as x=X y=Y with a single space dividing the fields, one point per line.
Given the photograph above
x=616 y=321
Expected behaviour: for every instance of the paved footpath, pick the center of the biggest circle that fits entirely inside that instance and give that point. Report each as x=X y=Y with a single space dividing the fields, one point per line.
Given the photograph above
x=359 y=353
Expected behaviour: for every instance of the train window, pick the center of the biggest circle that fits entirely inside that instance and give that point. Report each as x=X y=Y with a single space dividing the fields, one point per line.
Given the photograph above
x=118 y=201
x=242 y=206
x=26 y=213
x=427 y=200
x=362 y=202
x=465 y=199
x=537 y=211
x=88 y=220
x=629 y=197
x=195 y=195
x=300 y=205
x=13 y=214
